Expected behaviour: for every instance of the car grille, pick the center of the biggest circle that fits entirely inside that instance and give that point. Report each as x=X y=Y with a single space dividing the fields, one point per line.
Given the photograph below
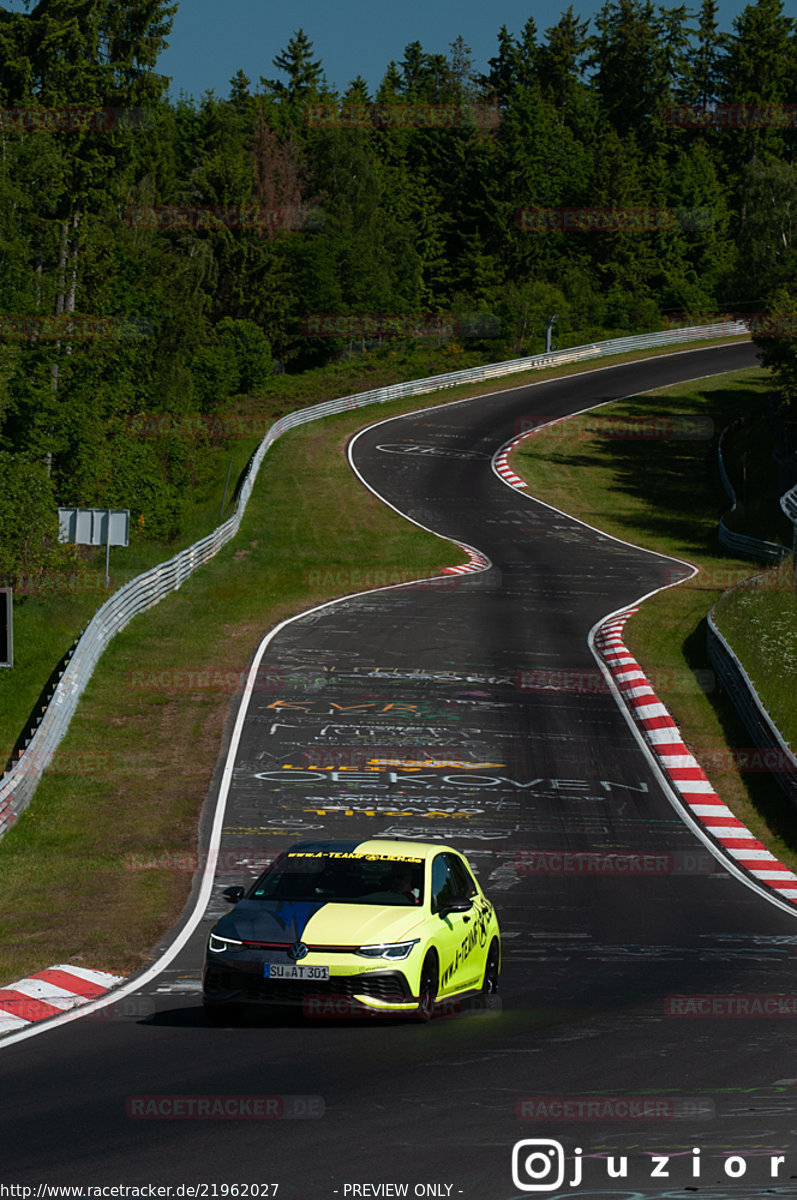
x=390 y=986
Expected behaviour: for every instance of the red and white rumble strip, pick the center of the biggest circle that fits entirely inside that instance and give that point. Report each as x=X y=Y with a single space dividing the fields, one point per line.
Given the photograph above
x=50 y=992
x=682 y=768
x=476 y=562
x=501 y=462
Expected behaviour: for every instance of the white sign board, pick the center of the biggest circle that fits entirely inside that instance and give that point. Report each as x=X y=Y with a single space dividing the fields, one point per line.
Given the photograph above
x=94 y=526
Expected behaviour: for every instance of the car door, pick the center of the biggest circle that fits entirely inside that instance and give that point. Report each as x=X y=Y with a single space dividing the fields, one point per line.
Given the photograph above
x=474 y=949
x=452 y=934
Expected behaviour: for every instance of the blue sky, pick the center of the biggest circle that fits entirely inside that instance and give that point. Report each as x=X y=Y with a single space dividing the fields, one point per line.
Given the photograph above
x=212 y=39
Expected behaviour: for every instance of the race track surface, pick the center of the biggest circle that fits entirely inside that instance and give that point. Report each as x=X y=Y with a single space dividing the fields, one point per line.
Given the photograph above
x=589 y=1046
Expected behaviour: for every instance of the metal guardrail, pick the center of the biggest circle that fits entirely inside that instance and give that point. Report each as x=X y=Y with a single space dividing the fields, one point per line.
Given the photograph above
x=776 y=755
x=741 y=543
x=750 y=547
x=139 y=594
x=788 y=503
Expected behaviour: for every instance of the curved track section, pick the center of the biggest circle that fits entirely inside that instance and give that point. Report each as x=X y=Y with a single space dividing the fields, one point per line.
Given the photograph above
x=469 y=709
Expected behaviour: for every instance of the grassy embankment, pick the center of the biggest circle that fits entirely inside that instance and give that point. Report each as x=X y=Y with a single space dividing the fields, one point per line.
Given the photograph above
x=761 y=625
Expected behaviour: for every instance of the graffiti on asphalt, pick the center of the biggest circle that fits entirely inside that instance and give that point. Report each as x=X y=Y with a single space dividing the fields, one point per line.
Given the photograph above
x=433 y=451
x=423 y=778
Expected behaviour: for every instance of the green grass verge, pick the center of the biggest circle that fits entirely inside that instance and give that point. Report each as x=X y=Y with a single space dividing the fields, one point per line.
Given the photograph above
x=761 y=625
x=667 y=496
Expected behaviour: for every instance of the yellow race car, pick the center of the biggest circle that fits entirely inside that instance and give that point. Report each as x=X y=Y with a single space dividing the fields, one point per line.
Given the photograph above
x=348 y=928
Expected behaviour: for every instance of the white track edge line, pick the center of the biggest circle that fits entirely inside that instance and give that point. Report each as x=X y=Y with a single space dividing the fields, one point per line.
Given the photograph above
x=670 y=792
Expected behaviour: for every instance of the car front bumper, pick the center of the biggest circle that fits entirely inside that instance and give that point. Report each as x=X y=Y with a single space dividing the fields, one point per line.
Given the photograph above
x=243 y=983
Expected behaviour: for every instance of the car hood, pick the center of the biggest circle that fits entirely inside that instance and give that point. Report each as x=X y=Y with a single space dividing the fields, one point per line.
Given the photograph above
x=322 y=923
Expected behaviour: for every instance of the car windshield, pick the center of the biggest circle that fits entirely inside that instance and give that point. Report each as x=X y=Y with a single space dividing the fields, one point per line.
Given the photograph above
x=343 y=877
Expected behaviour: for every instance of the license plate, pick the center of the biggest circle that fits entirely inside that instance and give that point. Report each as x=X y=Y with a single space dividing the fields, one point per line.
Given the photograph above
x=294 y=971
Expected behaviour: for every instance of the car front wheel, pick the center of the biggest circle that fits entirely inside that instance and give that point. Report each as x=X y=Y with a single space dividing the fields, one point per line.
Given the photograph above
x=427 y=988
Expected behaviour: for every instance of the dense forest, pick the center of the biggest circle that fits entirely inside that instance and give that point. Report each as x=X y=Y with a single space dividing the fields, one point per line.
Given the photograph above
x=162 y=256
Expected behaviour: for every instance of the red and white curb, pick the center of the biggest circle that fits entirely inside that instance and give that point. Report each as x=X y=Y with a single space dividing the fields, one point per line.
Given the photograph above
x=682 y=768
x=50 y=992
x=501 y=458
x=501 y=462
x=476 y=562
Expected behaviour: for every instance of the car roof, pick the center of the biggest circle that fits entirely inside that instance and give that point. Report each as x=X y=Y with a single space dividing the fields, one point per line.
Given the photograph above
x=386 y=846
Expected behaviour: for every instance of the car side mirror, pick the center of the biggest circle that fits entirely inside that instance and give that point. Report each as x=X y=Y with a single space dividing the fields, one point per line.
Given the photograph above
x=456 y=906
x=233 y=894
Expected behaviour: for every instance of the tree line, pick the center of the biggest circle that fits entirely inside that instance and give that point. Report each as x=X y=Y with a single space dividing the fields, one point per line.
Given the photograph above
x=165 y=256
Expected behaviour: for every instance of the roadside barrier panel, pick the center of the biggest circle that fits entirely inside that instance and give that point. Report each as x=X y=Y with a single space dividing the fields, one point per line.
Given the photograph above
x=739 y=688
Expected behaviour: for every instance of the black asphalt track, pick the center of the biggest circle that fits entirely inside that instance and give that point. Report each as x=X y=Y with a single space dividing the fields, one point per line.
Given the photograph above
x=490 y=674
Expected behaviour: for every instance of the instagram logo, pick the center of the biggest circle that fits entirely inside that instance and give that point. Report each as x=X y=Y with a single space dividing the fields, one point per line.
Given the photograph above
x=538 y=1165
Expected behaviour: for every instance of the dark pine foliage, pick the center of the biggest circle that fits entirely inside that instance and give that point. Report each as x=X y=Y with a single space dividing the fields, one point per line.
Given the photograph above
x=161 y=257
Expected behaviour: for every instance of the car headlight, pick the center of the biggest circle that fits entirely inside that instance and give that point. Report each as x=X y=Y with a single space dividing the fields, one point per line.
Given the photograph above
x=392 y=950
x=219 y=944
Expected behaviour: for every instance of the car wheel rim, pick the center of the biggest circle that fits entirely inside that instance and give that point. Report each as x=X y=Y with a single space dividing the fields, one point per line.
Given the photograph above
x=428 y=988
